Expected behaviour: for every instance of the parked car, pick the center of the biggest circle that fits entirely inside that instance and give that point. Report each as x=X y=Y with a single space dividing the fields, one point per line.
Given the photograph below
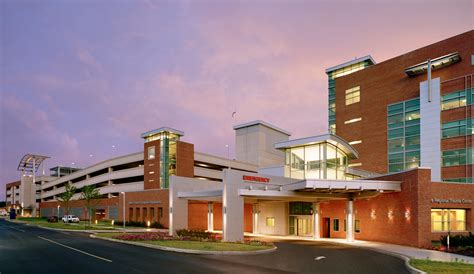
x=53 y=219
x=70 y=219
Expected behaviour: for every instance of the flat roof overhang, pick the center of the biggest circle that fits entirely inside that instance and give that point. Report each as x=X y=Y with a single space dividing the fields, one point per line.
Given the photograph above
x=436 y=63
x=326 y=138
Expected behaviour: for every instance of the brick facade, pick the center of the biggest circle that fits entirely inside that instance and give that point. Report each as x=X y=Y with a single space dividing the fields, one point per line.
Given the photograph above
x=386 y=83
x=151 y=167
x=404 y=217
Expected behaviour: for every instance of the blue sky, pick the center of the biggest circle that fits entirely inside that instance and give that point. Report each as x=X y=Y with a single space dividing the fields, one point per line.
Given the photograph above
x=78 y=77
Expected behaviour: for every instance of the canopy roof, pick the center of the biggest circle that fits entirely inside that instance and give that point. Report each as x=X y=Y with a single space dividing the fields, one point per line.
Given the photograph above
x=26 y=163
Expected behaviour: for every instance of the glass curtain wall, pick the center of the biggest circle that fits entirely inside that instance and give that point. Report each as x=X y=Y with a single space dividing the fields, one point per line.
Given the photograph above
x=318 y=161
x=403 y=135
x=167 y=155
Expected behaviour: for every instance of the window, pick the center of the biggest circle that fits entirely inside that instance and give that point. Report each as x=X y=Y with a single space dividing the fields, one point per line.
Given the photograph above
x=352 y=121
x=455 y=128
x=345 y=225
x=453 y=100
x=151 y=153
x=448 y=220
x=335 y=225
x=455 y=157
x=152 y=213
x=403 y=123
x=352 y=95
x=130 y=214
x=357 y=226
x=160 y=212
x=137 y=214
x=270 y=221
x=144 y=213
x=301 y=208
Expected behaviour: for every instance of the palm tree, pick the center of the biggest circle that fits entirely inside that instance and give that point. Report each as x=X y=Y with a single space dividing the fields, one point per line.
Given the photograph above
x=90 y=194
x=66 y=197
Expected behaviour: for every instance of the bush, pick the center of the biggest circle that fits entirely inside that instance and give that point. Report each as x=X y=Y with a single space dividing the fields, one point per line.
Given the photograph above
x=458 y=240
x=139 y=224
x=148 y=236
x=193 y=233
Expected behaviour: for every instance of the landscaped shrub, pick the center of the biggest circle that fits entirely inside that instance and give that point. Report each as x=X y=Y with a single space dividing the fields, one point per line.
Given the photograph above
x=139 y=224
x=148 y=236
x=193 y=233
x=458 y=240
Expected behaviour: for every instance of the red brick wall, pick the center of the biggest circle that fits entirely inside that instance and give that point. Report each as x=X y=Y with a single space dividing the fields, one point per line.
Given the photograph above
x=197 y=215
x=386 y=83
x=151 y=181
x=184 y=159
x=415 y=199
x=105 y=202
x=143 y=199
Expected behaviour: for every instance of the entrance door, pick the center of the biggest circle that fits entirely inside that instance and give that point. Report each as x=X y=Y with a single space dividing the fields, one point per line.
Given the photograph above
x=326 y=228
x=304 y=226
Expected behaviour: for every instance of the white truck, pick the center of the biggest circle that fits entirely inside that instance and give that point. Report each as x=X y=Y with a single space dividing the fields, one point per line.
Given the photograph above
x=70 y=219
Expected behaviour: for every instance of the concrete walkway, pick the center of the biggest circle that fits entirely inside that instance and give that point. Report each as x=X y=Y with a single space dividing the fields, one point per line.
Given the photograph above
x=411 y=252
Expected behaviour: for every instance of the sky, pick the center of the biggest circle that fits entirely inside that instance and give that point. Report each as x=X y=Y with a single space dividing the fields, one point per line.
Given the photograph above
x=80 y=80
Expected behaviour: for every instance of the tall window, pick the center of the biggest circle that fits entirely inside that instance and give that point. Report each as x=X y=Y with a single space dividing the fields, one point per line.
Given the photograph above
x=352 y=95
x=403 y=135
x=448 y=220
x=270 y=221
x=151 y=153
x=335 y=225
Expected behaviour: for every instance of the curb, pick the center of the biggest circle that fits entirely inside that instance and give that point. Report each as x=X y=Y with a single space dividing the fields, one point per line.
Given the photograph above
x=61 y=229
x=188 y=251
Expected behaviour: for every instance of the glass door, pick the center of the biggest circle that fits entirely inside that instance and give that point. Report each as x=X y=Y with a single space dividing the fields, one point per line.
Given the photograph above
x=304 y=226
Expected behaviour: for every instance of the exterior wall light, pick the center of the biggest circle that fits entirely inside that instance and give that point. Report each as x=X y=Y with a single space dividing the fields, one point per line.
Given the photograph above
x=112 y=223
x=407 y=214
x=390 y=215
x=148 y=223
x=95 y=221
x=372 y=214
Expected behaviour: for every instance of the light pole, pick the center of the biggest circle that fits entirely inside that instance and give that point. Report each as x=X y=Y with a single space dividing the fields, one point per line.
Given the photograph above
x=123 y=217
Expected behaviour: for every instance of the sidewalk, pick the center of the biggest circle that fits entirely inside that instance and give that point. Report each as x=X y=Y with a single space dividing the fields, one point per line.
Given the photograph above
x=411 y=252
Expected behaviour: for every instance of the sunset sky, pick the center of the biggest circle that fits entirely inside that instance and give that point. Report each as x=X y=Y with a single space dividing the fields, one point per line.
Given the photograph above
x=79 y=77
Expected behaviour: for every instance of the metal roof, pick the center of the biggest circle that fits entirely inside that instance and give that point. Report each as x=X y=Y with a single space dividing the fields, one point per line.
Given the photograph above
x=326 y=138
x=161 y=129
x=26 y=163
x=349 y=63
x=263 y=123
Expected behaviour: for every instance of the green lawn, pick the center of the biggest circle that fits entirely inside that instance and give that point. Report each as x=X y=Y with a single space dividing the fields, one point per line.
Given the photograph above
x=73 y=226
x=442 y=267
x=197 y=245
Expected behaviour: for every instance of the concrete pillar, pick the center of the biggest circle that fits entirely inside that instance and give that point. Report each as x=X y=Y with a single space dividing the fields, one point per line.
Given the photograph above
x=210 y=216
x=232 y=214
x=110 y=170
x=316 y=225
x=255 y=219
x=178 y=210
x=350 y=220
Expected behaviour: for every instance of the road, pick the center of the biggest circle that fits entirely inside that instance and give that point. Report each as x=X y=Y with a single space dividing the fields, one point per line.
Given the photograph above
x=28 y=249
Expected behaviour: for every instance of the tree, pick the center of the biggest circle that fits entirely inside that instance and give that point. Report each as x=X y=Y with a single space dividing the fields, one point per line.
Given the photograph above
x=66 y=197
x=90 y=194
x=3 y=204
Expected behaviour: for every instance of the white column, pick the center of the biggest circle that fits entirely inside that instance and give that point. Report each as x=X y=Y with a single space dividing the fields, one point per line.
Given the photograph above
x=210 y=216
x=232 y=212
x=316 y=226
x=255 y=219
x=350 y=221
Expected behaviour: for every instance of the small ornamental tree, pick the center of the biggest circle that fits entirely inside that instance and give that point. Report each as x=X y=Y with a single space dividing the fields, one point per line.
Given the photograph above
x=66 y=197
x=90 y=194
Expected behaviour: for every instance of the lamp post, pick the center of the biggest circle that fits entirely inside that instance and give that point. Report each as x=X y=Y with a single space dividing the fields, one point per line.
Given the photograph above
x=123 y=217
x=58 y=210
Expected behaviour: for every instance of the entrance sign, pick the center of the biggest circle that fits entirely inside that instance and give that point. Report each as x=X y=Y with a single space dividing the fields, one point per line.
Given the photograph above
x=451 y=201
x=255 y=179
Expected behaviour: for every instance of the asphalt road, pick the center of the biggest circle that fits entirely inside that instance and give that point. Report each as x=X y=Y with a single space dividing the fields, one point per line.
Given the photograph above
x=27 y=249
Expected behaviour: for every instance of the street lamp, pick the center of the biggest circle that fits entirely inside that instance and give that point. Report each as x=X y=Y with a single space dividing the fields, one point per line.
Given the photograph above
x=123 y=217
x=58 y=210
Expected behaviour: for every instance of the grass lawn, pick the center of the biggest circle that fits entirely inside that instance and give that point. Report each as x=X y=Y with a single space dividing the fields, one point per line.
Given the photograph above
x=442 y=267
x=197 y=245
x=74 y=226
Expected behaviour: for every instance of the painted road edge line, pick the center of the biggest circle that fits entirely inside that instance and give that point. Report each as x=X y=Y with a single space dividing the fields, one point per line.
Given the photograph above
x=75 y=249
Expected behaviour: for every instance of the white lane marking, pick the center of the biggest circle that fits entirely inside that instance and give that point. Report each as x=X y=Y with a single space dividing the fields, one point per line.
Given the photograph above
x=319 y=258
x=75 y=249
x=15 y=228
